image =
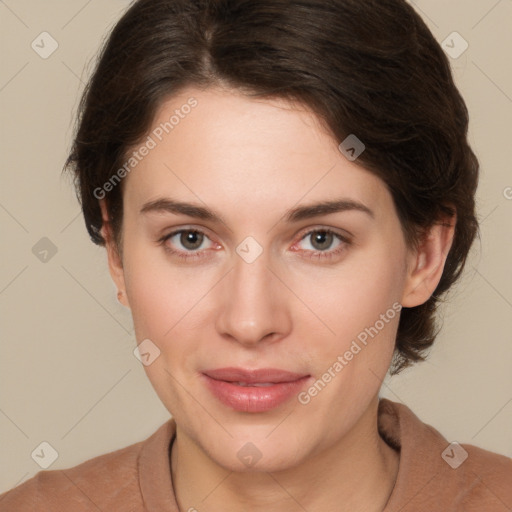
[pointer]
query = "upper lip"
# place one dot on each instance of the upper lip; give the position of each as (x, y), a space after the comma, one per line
(259, 375)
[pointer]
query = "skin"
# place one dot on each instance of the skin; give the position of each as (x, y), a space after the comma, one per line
(252, 160)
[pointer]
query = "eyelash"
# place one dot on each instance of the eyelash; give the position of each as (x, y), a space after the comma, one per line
(322, 255)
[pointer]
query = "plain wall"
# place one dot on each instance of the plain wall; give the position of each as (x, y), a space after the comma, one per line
(68, 372)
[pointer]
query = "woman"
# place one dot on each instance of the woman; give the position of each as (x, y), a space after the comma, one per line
(285, 191)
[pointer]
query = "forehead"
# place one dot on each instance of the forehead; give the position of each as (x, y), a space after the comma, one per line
(222, 147)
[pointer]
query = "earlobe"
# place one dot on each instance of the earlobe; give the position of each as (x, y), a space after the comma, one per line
(426, 263)
(115, 264)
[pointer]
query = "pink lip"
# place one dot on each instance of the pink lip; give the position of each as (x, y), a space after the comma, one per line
(222, 383)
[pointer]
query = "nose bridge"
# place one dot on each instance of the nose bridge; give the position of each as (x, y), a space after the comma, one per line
(252, 306)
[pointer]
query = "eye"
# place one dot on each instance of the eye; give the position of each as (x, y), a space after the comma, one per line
(322, 240)
(192, 243)
(191, 240)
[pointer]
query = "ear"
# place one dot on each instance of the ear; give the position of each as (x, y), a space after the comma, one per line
(115, 263)
(426, 263)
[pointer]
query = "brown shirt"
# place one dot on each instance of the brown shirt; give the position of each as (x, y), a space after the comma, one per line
(434, 475)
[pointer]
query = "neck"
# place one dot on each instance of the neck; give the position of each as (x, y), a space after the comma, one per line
(357, 473)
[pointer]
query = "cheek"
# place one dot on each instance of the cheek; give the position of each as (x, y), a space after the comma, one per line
(361, 306)
(354, 295)
(374, 308)
(154, 288)
(164, 300)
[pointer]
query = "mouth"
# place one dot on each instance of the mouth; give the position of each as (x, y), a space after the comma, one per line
(254, 384)
(256, 376)
(253, 391)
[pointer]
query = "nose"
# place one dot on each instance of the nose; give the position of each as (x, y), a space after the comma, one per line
(253, 303)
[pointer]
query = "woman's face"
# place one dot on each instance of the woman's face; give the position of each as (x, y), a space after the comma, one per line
(254, 285)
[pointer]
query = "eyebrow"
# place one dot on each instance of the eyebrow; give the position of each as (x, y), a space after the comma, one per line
(168, 205)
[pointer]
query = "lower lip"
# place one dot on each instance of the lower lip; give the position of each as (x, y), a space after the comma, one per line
(252, 398)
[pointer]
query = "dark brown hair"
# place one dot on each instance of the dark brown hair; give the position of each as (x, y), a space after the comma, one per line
(366, 67)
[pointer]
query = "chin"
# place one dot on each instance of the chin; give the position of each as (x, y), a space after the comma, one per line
(245, 456)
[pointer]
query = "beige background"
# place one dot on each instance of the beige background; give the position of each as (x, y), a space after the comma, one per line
(68, 373)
